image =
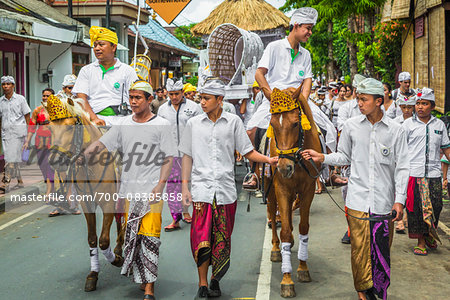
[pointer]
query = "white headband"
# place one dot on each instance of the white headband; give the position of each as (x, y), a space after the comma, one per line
(402, 100)
(212, 87)
(173, 86)
(304, 15)
(370, 86)
(8, 79)
(425, 94)
(69, 80)
(403, 76)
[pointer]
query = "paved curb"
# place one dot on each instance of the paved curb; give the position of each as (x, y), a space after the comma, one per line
(36, 189)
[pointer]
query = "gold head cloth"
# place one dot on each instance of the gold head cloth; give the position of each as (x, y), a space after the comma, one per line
(102, 34)
(281, 102)
(57, 109)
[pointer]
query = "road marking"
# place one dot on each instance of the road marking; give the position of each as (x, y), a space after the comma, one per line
(444, 228)
(22, 217)
(265, 269)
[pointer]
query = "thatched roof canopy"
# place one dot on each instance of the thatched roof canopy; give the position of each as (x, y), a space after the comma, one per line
(252, 15)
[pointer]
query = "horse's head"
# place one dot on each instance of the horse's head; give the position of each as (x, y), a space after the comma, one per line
(285, 124)
(67, 124)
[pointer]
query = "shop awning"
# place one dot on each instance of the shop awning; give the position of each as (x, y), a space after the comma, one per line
(27, 38)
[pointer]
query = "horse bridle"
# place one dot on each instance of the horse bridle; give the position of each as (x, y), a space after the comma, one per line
(294, 154)
(78, 138)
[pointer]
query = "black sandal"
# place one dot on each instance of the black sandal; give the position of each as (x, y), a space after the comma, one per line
(148, 296)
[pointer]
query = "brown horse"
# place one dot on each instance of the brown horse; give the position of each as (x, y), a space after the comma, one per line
(291, 180)
(95, 183)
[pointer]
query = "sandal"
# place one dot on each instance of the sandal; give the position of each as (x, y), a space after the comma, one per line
(318, 191)
(431, 242)
(187, 220)
(420, 251)
(56, 212)
(171, 227)
(148, 296)
(400, 228)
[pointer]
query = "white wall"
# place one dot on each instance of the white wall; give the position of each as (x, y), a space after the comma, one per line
(61, 67)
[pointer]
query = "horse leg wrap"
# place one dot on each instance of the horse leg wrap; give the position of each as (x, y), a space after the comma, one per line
(109, 255)
(303, 247)
(95, 266)
(286, 266)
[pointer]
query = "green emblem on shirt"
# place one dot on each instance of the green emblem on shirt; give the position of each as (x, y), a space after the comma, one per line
(301, 73)
(116, 85)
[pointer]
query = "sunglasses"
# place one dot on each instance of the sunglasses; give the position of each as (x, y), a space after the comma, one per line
(69, 87)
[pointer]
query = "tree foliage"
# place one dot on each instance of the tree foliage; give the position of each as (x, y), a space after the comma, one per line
(183, 33)
(378, 47)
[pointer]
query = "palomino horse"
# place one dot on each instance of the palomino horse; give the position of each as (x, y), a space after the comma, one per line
(95, 183)
(292, 129)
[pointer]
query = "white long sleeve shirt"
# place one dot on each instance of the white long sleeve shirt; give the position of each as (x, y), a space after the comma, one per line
(425, 142)
(378, 155)
(211, 146)
(348, 110)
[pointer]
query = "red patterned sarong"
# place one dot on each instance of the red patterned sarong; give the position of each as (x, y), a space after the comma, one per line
(211, 230)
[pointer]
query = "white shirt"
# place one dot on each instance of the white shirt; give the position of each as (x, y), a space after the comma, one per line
(348, 110)
(178, 118)
(144, 147)
(13, 113)
(228, 107)
(378, 155)
(392, 111)
(211, 146)
(325, 124)
(424, 143)
(334, 110)
(399, 119)
(105, 88)
(282, 71)
(249, 109)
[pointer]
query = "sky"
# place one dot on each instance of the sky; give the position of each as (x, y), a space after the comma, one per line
(198, 10)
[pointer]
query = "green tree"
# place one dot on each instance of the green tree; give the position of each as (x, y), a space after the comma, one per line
(183, 33)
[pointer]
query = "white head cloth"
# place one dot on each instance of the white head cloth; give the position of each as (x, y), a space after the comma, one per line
(403, 76)
(212, 87)
(173, 85)
(142, 86)
(357, 79)
(370, 86)
(69, 80)
(425, 94)
(333, 85)
(322, 91)
(304, 15)
(402, 100)
(8, 79)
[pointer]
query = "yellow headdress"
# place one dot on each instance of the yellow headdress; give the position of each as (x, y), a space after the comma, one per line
(56, 109)
(102, 34)
(281, 102)
(255, 84)
(189, 88)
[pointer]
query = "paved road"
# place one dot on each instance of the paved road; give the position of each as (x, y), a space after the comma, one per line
(47, 258)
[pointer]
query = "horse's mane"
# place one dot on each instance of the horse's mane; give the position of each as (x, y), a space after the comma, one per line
(77, 108)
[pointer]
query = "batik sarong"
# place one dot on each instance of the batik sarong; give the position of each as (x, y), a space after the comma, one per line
(211, 230)
(173, 188)
(141, 245)
(423, 206)
(370, 252)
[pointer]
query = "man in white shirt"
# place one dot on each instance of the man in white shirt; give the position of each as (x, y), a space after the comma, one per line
(15, 115)
(209, 143)
(284, 64)
(104, 84)
(350, 108)
(147, 159)
(426, 136)
(177, 111)
(375, 147)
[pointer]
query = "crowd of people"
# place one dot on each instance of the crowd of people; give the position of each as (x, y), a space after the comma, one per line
(382, 146)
